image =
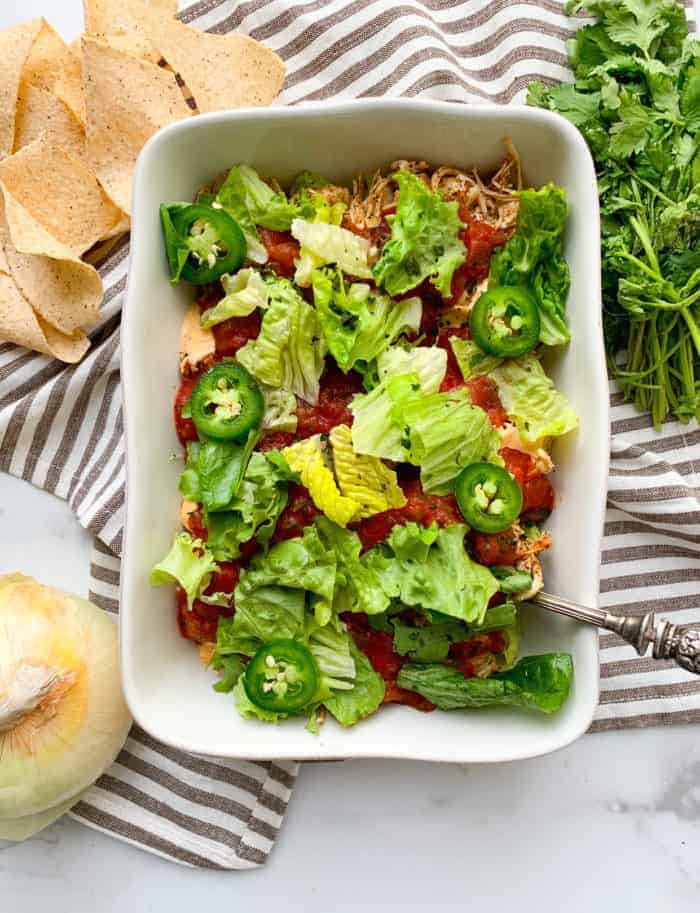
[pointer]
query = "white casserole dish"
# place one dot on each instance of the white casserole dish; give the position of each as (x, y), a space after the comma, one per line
(167, 689)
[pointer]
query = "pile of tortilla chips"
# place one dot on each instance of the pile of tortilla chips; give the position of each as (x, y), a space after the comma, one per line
(73, 119)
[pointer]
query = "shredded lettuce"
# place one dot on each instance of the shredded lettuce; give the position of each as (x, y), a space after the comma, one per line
(365, 479)
(374, 431)
(427, 643)
(536, 682)
(342, 484)
(246, 291)
(531, 401)
(534, 257)
(289, 352)
(323, 243)
(255, 509)
(189, 563)
(424, 241)
(365, 696)
(214, 471)
(358, 587)
(250, 711)
(359, 324)
(444, 433)
(264, 206)
(280, 409)
(471, 360)
(331, 650)
(439, 576)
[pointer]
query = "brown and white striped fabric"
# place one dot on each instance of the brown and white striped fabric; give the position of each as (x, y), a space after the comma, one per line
(61, 427)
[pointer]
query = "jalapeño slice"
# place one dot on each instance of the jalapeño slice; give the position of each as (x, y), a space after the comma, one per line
(282, 676)
(505, 322)
(201, 242)
(488, 496)
(227, 402)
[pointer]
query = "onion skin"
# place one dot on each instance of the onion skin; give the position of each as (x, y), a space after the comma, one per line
(63, 717)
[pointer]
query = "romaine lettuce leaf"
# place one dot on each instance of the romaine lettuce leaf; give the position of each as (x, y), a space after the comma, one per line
(280, 409)
(471, 360)
(531, 401)
(277, 587)
(427, 643)
(230, 668)
(244, 189)
(189, 563)
(220, 466)
(374, 431)
(445, 580)
(323, 243)
(331, 650)
(315, 206)
(245, 290)
(254, 511)
(365, 479)
(424, 241)
(358, 587)
(536, 682)
(311, 460)
(290, 349)
(366, 695)
(358, 323)
(534, 257)
(443, 433)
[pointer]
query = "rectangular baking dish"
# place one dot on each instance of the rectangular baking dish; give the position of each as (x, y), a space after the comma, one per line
(168, 690)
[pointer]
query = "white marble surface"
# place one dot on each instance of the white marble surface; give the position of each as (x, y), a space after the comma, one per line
(611, 823)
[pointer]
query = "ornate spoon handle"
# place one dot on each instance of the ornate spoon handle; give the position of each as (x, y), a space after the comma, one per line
(678, 642)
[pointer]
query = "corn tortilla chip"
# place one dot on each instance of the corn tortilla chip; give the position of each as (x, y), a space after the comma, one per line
(60, 192)
(69, 85)
(127, 101)
(47, 58)
(15, 45)
(20, 325)
(63, 290)
(41, 113)
(121, 24)
(221, 71)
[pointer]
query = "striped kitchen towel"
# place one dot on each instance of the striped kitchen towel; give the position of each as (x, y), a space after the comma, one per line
(61, 427)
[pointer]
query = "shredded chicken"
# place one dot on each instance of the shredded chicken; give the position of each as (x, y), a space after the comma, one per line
(206, 651)
(484, 664)
(531, 565)
(526, 546)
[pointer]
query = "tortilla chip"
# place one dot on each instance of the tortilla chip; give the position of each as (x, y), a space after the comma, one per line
(20, 325)
(122, 24)
(62, 289)
(69, 85)
(167, 7)
(60, 192)
(127, 101)
(221, 71)
(41, 113)
(47, 59)
(15, 45)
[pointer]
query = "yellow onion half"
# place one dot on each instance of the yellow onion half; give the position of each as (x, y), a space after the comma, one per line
(63, 717)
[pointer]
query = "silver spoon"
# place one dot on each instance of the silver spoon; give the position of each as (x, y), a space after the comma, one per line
(678, 642)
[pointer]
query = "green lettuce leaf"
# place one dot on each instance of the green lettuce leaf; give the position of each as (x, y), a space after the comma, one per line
(534, 257)
(230, 668)
(536, 683)
(189, 563)
(427, 643)
(471, 360)
(253, 511)
(245, 290)
(443, 433)
(244, 192)
(323, 243)
(290, 349)
(358, 588)
(446, 580)
(358, 323)
(424, 241)
(366, 695)
(277, 587)
(280, 409)
(331, 650)
(374, 431)
(220, 466)
(531, 401)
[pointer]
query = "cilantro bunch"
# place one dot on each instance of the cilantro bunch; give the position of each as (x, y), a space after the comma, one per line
(636, 100)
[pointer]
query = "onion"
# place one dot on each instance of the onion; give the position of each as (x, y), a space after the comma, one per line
(63, 717)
